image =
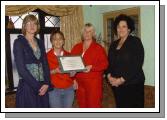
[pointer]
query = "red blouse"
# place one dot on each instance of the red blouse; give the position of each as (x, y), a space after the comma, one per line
(58, 80)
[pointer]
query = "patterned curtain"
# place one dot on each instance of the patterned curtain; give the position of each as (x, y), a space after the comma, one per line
(56, 10)
(71, 26)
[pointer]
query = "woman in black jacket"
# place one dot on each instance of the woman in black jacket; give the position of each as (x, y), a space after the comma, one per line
(126, 57)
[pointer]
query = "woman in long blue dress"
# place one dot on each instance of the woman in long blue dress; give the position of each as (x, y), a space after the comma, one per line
(32, 67)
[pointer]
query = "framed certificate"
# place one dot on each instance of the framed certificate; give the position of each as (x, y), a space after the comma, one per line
(71, 63)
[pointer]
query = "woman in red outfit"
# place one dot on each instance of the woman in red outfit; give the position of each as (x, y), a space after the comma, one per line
(63, 94)
(89, 93)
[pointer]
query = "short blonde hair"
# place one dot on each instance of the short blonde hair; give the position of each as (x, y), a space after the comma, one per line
(88, 25)
(27, 19)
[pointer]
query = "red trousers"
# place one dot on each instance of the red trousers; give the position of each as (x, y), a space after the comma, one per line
(89, 93)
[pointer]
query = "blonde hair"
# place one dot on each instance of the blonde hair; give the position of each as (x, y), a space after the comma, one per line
(27, 19)
(88, 25)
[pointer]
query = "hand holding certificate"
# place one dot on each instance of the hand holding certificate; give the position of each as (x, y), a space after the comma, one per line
(71, 63)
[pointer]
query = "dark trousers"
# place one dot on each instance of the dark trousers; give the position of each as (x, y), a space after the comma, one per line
(129, 96)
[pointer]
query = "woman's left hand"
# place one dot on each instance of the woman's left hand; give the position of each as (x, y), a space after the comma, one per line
(43, 90)
(117, 82)
(75, 85)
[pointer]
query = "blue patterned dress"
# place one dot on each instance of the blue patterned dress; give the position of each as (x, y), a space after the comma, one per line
(33, 70)
(36, 69)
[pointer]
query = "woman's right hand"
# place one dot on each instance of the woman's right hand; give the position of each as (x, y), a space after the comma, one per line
(111, 80)
(72, 73)
(54, 71)
(88, 68)
(115, 81)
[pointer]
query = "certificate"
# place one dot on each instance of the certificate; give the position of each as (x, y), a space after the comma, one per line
(71, 63)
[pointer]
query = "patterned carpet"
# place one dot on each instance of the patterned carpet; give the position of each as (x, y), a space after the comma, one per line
(108, 98)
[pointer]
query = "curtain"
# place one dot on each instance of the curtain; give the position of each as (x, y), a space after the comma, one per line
(71, 19)
(56, 10)
(71, 26)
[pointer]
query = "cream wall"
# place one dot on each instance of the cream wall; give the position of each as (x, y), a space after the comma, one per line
(94, 15)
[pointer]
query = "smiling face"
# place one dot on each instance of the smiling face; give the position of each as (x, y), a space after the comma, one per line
(57, 41)
(122, 29)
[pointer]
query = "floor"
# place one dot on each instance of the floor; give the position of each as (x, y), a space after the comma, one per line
(108, 98)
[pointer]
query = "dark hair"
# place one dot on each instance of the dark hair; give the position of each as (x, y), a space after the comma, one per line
(127, 19)
(56, 32)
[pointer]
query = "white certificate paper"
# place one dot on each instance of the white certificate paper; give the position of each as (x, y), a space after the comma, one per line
(71, 63)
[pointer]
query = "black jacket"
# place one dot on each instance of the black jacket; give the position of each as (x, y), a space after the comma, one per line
(127, 62)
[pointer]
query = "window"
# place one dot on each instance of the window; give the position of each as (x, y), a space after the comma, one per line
(17, 20)
(108, 20)
(47, 24)
(51, 21)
